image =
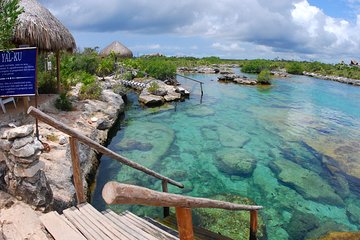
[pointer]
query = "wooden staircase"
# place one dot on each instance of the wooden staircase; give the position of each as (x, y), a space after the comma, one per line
(85, 222)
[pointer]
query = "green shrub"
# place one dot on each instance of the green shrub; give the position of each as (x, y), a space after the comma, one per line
(46, 82)
(294, 68)
(128, 76)
(90, 91)
(256, 66)
(153, 87)
(264, 77)
(160, 69)
(105, 67)
(63, 103)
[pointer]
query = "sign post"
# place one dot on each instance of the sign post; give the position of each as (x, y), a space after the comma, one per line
(18, 75)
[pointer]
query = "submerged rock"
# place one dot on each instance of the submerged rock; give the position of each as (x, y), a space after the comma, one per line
(339, 155)
(200, 111)
(235, 161)
(232, 138)
(233, 224)
(341, 236)
(300, 224)
(146, 142)
(309, 184)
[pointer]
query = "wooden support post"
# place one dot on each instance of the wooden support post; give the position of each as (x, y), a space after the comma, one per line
(79, 188)
(26, 103)
(184, 223)
(165, 189)
(253, 224)
(58, 71)
(202, 93)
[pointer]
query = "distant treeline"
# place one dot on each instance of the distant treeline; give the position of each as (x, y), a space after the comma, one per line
(84, 66)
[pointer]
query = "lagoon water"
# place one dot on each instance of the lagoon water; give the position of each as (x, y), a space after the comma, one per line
(293, 148)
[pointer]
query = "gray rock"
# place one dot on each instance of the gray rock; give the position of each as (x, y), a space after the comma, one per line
(38, 145)
(35, 190)
(2, 157)
(20, 171)
(26, 151)
(150, 100)
(63, 140)
(20, 142)
(5, 145)
(26, 161)
(18, 132)
(103, 124)
(172, 96)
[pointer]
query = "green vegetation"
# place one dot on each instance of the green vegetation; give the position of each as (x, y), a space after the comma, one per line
(153, 87)
(63, 103)
(105, 67)
(90, 91)
(294, 68)
(9, 12)
(264, 77)
(82, 67)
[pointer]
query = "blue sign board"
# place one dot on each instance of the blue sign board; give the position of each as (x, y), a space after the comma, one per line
(18, 72)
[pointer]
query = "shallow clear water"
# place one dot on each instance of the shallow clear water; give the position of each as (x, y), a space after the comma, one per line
(298, 141)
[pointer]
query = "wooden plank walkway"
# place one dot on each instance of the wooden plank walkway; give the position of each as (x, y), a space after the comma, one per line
(85, 222)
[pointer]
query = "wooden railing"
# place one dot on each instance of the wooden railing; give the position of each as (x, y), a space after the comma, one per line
(194, 80)
(75, 136)
(117, 193)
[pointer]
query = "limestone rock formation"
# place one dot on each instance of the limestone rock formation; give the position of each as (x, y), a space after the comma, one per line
(23, 175)
(165, 93)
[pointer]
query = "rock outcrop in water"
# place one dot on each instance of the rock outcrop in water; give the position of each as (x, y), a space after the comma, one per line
(165, 93)
(237, 79)
(355, 82)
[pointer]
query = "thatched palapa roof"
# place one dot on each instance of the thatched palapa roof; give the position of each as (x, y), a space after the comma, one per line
(37, 27)
(118, 49)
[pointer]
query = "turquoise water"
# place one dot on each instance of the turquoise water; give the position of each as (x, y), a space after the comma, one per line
(292, 147)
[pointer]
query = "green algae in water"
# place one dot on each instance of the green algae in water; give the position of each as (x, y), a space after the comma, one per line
(299, 124)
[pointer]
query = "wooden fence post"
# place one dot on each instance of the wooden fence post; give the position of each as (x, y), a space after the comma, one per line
(184, 222)
(253, 224)
(77, 176)
(165, 189)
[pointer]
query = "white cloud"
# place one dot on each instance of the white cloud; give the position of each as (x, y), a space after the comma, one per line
(278, 27)
(227, 47)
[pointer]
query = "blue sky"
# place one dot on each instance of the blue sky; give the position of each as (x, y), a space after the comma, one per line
(325, 30)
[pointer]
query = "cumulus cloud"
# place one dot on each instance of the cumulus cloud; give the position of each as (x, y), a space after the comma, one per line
(282, 26)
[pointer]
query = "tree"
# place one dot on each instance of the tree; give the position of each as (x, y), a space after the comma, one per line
(264, 77)
(9, 12)
(294, 68)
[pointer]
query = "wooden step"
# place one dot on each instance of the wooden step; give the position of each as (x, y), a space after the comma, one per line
(145, 226)
(59, 228)
(85, 222)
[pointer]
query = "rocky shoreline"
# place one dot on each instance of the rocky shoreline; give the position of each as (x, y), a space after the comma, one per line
(237, 79)
(350, 81)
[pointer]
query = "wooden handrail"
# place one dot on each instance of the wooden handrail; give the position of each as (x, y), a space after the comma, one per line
(118, 193)
(75, 134)
(201, 83)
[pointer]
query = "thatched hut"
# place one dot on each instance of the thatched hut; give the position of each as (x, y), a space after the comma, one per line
(118, 49)
(39, 28)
